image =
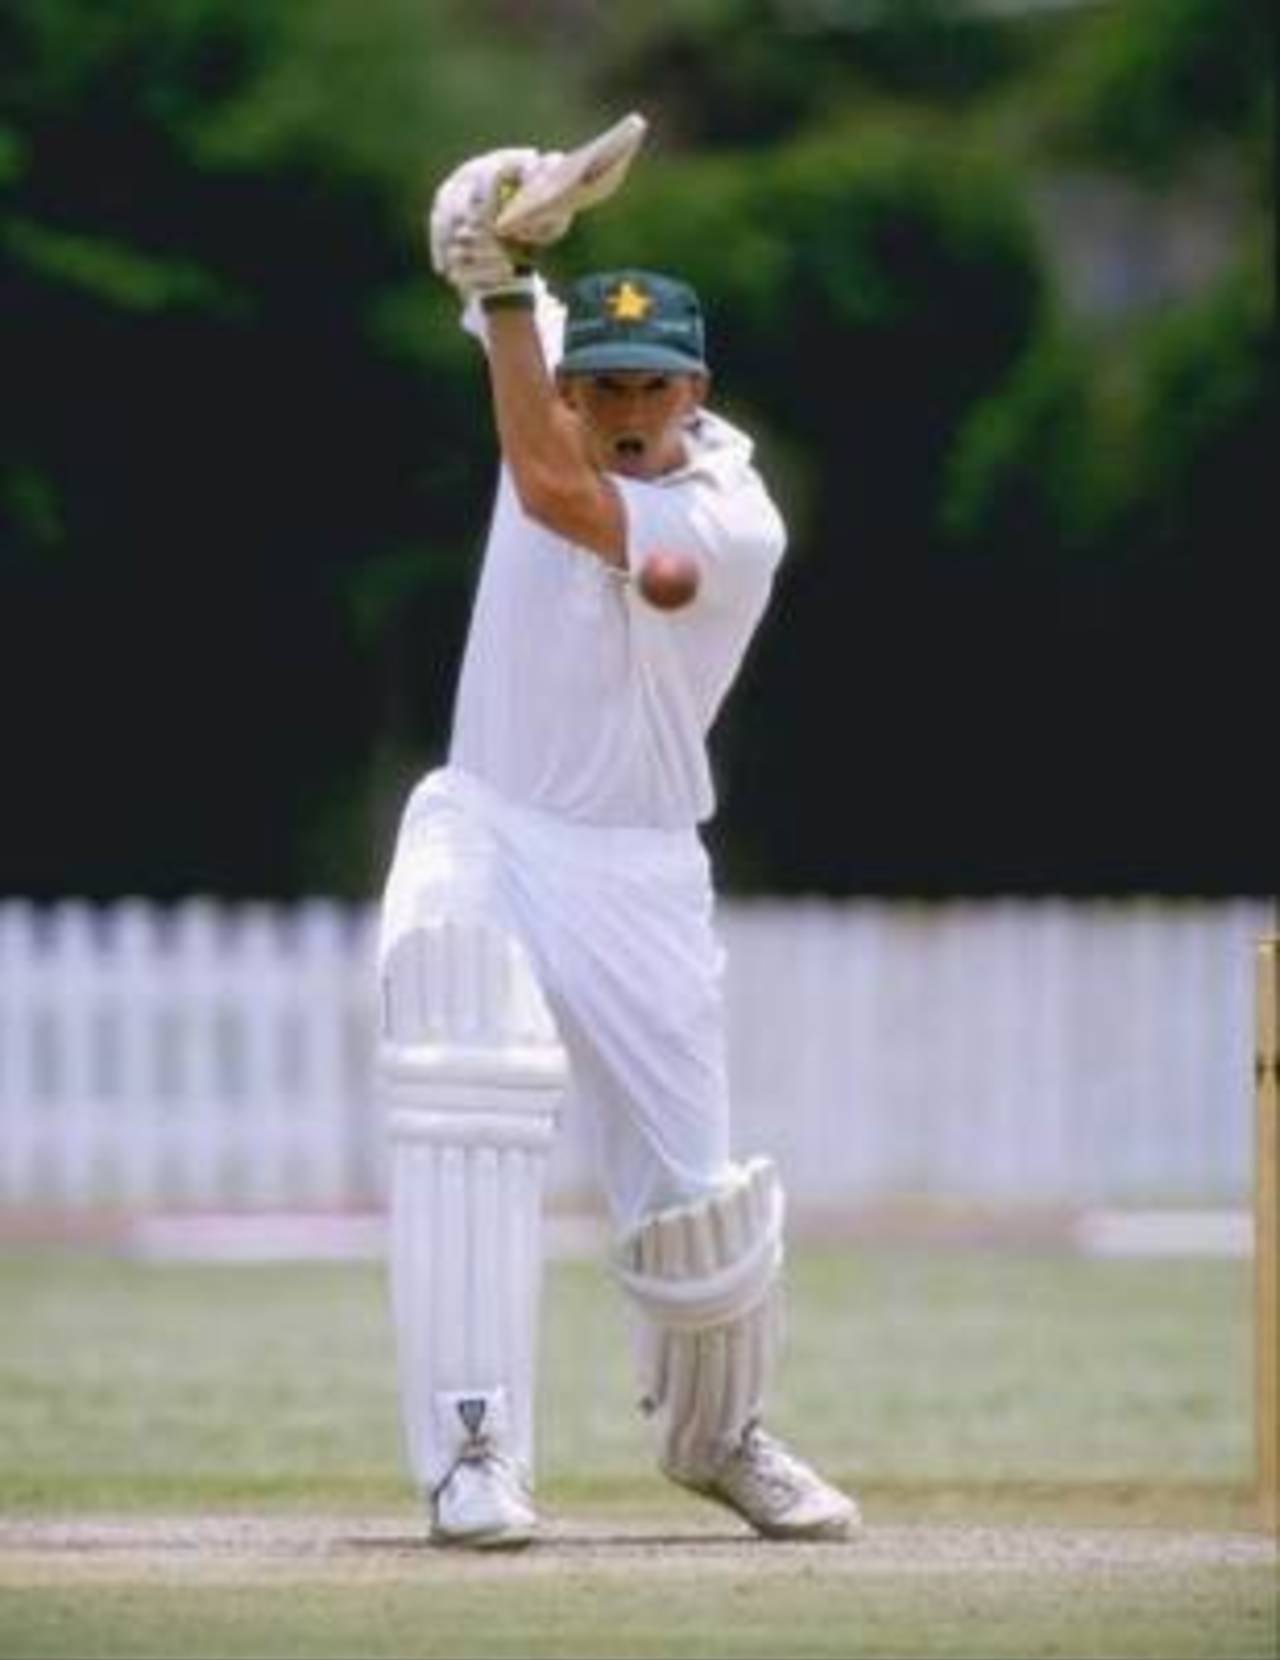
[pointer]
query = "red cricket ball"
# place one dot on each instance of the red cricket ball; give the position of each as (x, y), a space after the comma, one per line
(668, 580)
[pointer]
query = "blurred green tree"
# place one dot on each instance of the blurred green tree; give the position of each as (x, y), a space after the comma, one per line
(224, 444)
(246, 472)
(1148, 88)
(1119, 481)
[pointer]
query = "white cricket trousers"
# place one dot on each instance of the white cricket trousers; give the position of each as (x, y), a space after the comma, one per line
(618, 925)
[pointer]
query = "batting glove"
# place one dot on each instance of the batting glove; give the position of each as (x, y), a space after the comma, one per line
(481, 267)
(465, 249)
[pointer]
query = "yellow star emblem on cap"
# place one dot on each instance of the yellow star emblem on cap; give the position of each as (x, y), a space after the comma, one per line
(629, 304)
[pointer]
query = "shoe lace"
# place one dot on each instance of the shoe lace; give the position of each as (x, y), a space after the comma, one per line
(769, 1463)
(478, 1449)
(482, 1449)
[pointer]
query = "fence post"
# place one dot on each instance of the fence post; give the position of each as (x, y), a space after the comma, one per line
(73, 972)
(257, 960)
(140, 1113)
(1265, 1240)
(23, 1113)
(207, 1109)
(322, 969)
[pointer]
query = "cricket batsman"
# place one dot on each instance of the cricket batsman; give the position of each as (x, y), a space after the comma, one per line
(547, 937)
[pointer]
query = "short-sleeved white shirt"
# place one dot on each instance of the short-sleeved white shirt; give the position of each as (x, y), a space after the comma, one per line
(576, 696)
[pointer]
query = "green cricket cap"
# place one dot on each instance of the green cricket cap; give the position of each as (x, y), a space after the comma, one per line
(633, 320)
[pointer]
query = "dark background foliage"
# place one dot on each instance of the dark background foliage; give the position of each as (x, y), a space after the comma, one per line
(1025, 637)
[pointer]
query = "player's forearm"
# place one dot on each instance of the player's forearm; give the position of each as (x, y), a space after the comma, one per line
(538, 435)
(542, 442)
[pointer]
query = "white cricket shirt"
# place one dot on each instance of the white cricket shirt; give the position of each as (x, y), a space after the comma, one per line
(576, 696)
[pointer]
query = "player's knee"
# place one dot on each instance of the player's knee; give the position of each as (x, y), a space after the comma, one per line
(467, 1047)
(703, 1275)
(461, 982)
(710, 1262)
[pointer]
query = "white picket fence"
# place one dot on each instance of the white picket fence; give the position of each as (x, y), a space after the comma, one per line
(208, 1056)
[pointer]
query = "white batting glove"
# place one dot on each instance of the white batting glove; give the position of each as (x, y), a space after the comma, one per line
(473, 194)
(481, 267)
(464, 248)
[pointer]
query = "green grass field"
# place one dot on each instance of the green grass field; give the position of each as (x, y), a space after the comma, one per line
(1053, 1455)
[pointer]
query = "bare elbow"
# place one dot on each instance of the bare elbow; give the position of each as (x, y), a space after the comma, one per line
(542, 494)
(580, 507)
(560, 501)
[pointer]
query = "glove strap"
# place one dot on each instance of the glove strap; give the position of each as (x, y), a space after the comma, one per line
(508, 299)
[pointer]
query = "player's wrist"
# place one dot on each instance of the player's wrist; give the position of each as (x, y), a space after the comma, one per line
(517, 297)
(482, 267)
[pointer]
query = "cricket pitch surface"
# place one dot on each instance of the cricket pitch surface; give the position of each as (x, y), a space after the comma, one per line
(245, 1546)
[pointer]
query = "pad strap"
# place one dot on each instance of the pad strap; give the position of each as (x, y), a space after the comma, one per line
(703, 1279)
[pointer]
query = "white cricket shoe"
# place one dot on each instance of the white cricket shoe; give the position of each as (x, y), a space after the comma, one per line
(776, 1492)
(483, 1503)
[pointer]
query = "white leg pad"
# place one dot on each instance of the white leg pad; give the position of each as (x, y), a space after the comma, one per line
(470, 1074)
(703, 1278)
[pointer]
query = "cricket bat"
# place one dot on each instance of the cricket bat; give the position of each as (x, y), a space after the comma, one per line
(580, 178)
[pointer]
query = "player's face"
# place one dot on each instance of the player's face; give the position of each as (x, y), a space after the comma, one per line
(634, 419)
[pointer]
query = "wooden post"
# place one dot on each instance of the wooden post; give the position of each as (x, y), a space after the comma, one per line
(1265, 1242)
